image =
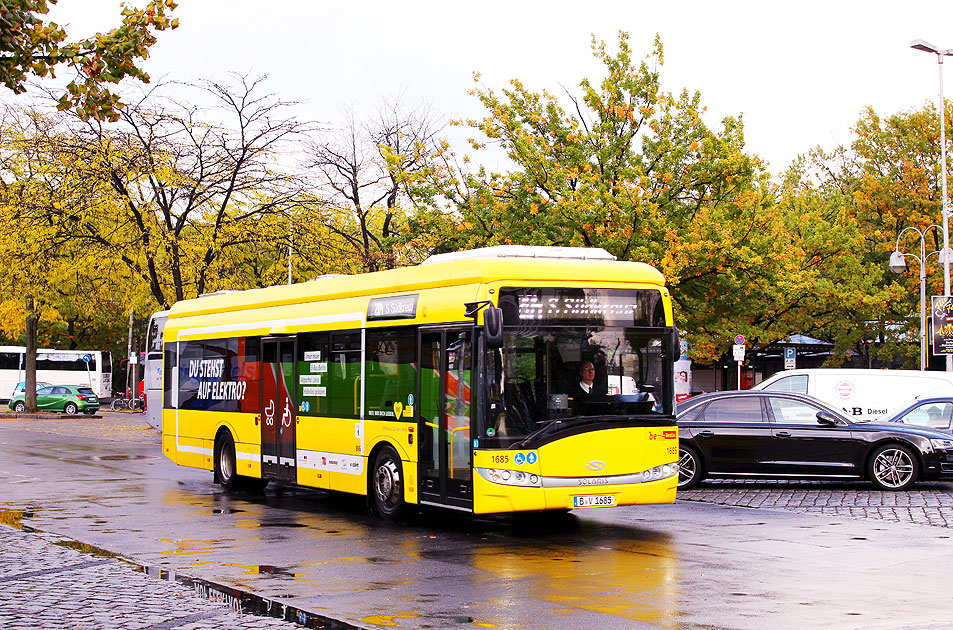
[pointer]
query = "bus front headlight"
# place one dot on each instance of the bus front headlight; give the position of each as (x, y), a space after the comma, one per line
(510, 477)
(660, 472)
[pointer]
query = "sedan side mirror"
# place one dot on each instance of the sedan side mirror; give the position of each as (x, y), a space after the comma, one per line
(826, 419)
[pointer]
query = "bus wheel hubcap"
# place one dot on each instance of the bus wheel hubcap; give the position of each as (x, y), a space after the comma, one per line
(226, 465)
(388, 481)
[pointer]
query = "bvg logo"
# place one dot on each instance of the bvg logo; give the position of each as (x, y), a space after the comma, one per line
(595, 465)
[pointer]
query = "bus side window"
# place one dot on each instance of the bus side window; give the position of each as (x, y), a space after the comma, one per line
(391, 373)
(344, 372)
(313, 363)
(247, 368)
(168, 373)
(9, 360)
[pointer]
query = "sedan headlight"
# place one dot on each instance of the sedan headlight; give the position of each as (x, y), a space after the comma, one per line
(942, 445)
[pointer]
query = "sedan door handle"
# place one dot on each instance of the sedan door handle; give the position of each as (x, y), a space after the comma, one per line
(783, 434)
(706, 434)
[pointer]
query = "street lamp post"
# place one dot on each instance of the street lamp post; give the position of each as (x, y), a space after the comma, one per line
(898, 265)
(919, 44)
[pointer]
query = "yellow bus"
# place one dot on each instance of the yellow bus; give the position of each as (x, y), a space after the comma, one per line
(504, 379)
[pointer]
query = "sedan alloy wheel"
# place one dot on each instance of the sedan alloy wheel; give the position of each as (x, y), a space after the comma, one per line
(689, 468)
(893, 467)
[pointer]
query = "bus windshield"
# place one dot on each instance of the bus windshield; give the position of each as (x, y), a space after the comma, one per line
(572, 359)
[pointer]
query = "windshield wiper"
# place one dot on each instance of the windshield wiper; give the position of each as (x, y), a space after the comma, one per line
(561, 423)
(549, 427)
(555, 424)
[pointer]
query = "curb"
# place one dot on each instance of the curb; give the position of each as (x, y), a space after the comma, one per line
(238, 600)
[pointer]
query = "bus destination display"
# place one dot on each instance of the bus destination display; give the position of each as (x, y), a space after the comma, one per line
(619, 307)
(397, 307)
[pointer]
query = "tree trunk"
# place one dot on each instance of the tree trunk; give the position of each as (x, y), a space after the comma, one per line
(29, 397)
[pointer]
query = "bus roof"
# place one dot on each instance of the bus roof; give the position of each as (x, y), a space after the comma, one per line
(518, 270)
(46, 350)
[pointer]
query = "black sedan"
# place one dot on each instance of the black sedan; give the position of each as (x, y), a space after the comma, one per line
(749, 434)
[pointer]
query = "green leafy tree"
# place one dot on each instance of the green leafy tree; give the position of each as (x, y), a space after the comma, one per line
(30, 46)
(625, 166)
(887, 180)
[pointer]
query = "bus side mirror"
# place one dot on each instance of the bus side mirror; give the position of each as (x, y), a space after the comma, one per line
(493, 327)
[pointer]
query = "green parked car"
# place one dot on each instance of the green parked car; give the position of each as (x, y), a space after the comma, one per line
(66, 398)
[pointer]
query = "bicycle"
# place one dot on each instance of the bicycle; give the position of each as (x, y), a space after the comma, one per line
(121, 401)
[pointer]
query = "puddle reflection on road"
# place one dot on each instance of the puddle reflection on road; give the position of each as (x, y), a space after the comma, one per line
(635, 580)
(14, 518)
(567, 565)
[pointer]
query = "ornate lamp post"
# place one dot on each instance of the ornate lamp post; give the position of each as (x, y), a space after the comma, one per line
(898, 265)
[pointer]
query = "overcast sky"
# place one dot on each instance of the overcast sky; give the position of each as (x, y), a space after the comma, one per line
(800, 73)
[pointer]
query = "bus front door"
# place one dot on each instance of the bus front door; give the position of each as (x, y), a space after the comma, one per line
(445, 455)
(278, 410)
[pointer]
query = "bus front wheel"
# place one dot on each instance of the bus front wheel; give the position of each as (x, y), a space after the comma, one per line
(387, 485)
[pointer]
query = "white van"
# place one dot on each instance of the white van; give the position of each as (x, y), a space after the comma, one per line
(864, 395)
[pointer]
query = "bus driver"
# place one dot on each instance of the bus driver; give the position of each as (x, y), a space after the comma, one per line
(586, 387)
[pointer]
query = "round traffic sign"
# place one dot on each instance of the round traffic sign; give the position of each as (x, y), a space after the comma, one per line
(740, 340)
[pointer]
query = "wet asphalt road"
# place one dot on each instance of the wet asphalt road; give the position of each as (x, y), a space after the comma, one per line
(701, 563)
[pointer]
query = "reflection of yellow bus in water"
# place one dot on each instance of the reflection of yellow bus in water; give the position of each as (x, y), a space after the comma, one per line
(626, 579)
(459, 383)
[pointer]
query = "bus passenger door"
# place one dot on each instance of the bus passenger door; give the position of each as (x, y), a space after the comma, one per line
(445, 456)
(278, 410)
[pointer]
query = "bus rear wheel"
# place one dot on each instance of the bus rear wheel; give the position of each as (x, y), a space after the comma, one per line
(387, 485)
(226, 473)
(225, 467)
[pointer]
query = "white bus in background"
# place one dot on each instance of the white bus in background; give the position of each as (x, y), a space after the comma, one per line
(152, 390)
(91, 368)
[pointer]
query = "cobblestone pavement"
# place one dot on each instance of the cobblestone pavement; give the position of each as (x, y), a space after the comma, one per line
(121, 426)
(49, 581)
(46, 583)
(925, 504)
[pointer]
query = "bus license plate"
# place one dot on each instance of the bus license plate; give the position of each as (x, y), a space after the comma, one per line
(599, 500)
